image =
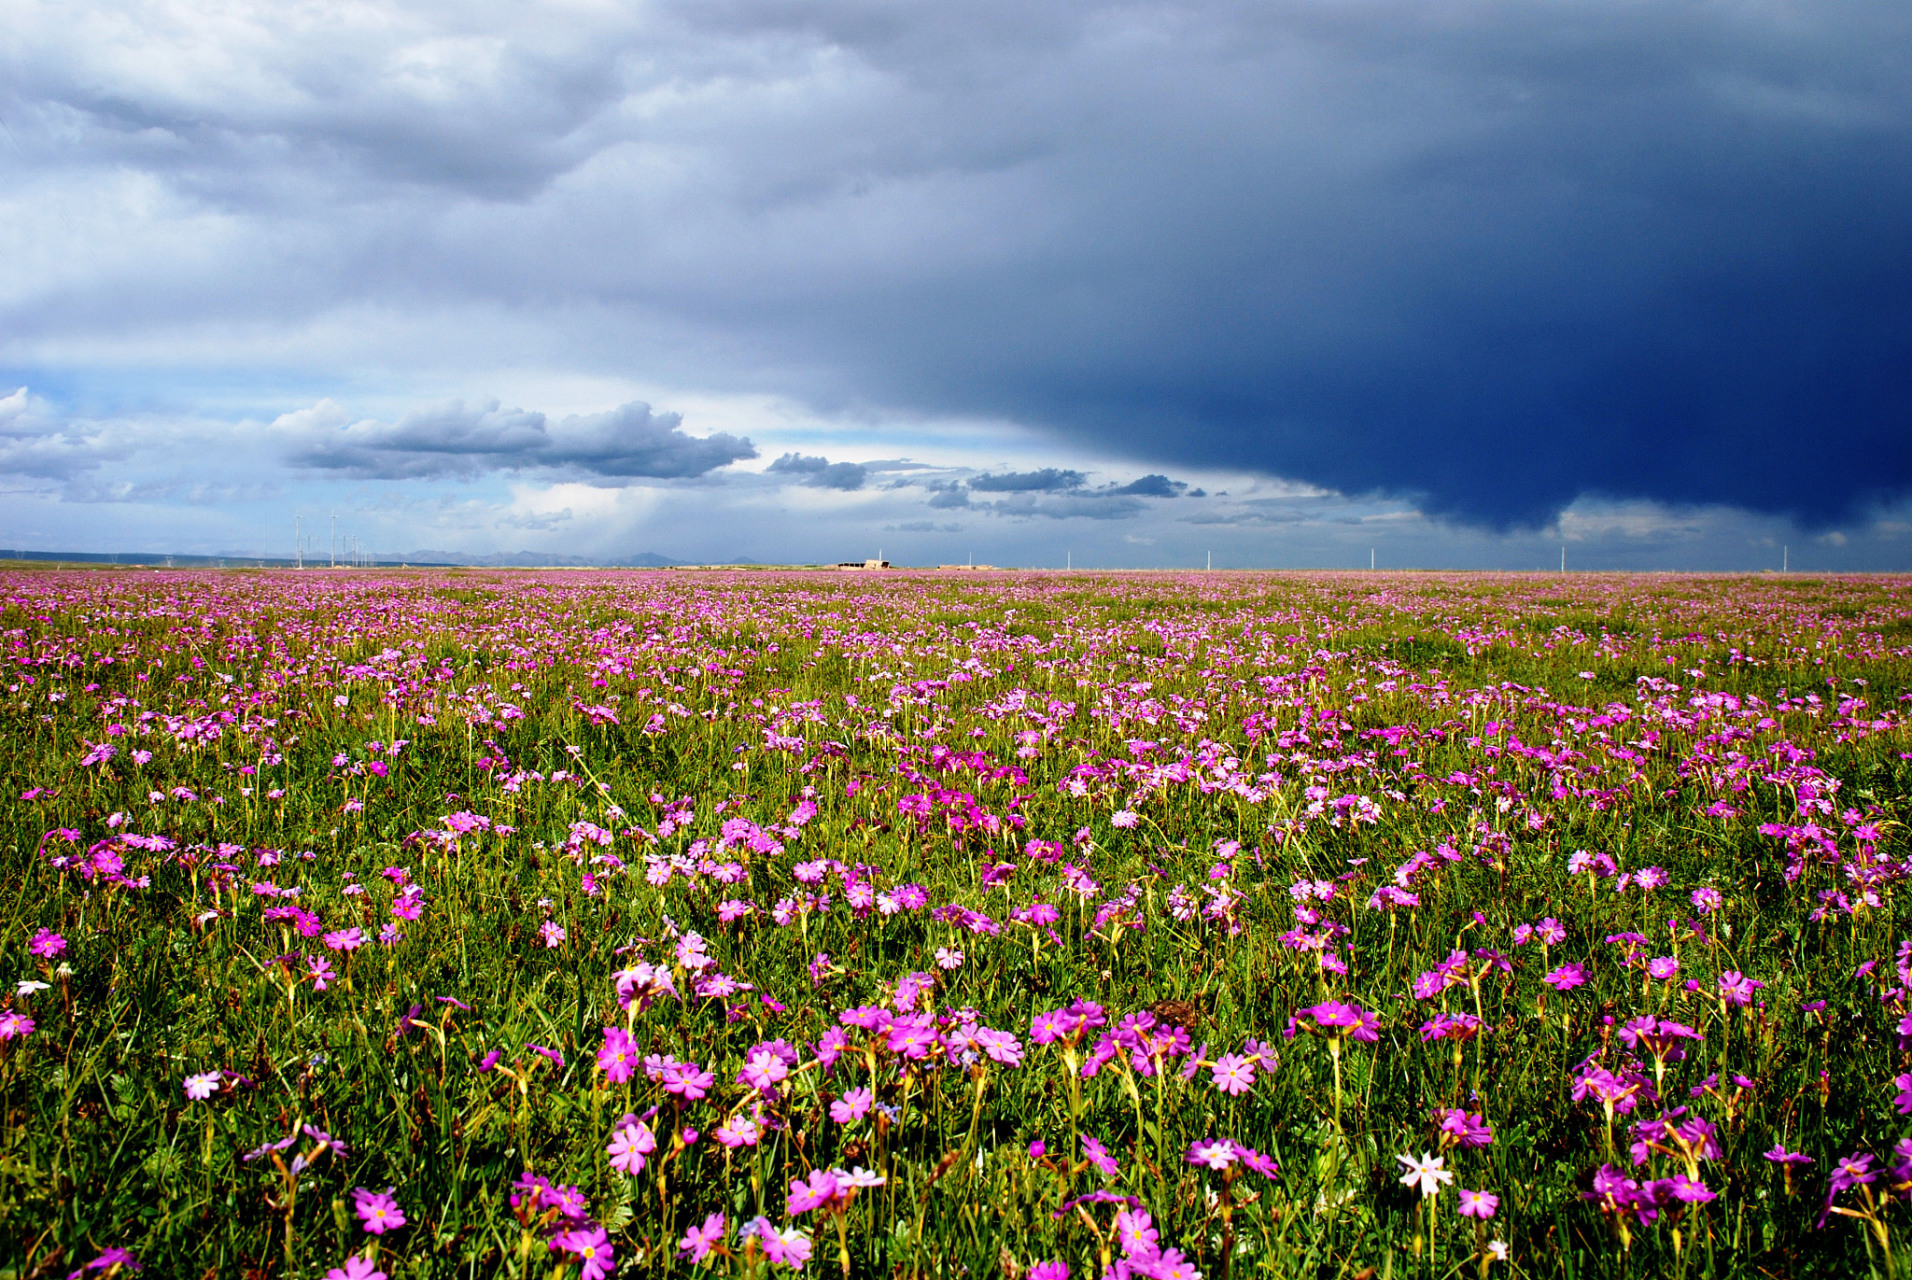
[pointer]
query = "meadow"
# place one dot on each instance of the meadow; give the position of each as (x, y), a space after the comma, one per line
(445, 923)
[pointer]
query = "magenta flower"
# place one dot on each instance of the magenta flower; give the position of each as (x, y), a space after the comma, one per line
(1690, 1190)
(46, 944)
(1233, 1074)
(764, 1070)
(1850, 1171)
(1736, 988)
(320, 970)
(1051, 1027)
(789, 1248)
(1779, 1155)
(1051, 1270)
(617, 1057)
(687, 1080)
(1098, 1155)
(853, 1105)
(14, 1024)
(1338, 1021)
(345, 939)
(1903, 1101)
(817, 1191)
(114, 1257)
(1253, 1159)
(738, 1131)
(698, 1242)
(1567, 977)
(1478, 1204)
(1213, 1154)
(1000, 1047)
(377, 1211)
(1136, 1233)
(630, 1142)
(202, 1086)
(356, 1268)
(1464, 1129)
(591, 1247)
(1660, 1037)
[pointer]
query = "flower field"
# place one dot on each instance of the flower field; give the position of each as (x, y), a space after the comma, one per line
(1340, 926)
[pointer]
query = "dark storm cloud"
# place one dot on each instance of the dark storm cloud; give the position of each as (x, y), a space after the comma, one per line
(460, 440)
(1047, 480)
(821, 473)
(1488, 256)
(1154, 486)
(1494, 256)
(1067, 506)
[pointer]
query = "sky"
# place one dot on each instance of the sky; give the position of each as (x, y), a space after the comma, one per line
(1256, 283)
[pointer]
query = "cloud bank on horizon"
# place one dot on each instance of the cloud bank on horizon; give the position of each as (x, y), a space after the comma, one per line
(1464, 269)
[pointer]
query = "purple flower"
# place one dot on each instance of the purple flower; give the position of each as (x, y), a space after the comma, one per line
(1850, 1171)
(699, 1241)
(617, 1057)
(1213, 1154)
(377, 1210)
(789, 1247)
(1478, 1204)
(591, 1247)
(1567, 977)
(630, 1143)
(1098, 1155)
(1464, 1129)
(1736, 988)
(1336, 1020)
(114, 1257)
(1253, 1159)
(1691, 1191)
(687, 1080)
(356, 1268)
(46, 944)
(1047, 1271)
(853, 1105)
(820, 1189)
(1233, 1074)
(1135, 1232)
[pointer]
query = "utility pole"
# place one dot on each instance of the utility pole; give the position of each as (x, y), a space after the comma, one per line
(1069, 563)
(298, 540)
(335, 540)
(1370, 559)
(1563, 557)
(1785, 559)
(1211, 562)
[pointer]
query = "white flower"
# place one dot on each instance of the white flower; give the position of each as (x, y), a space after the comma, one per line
(859, 1177)
(201, 1087)
(27, 987)
(1499, 1249)
(1425, 1175)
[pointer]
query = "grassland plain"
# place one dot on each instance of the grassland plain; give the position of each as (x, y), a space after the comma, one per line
(487, 923)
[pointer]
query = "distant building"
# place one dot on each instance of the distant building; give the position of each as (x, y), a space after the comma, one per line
(859, 566)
